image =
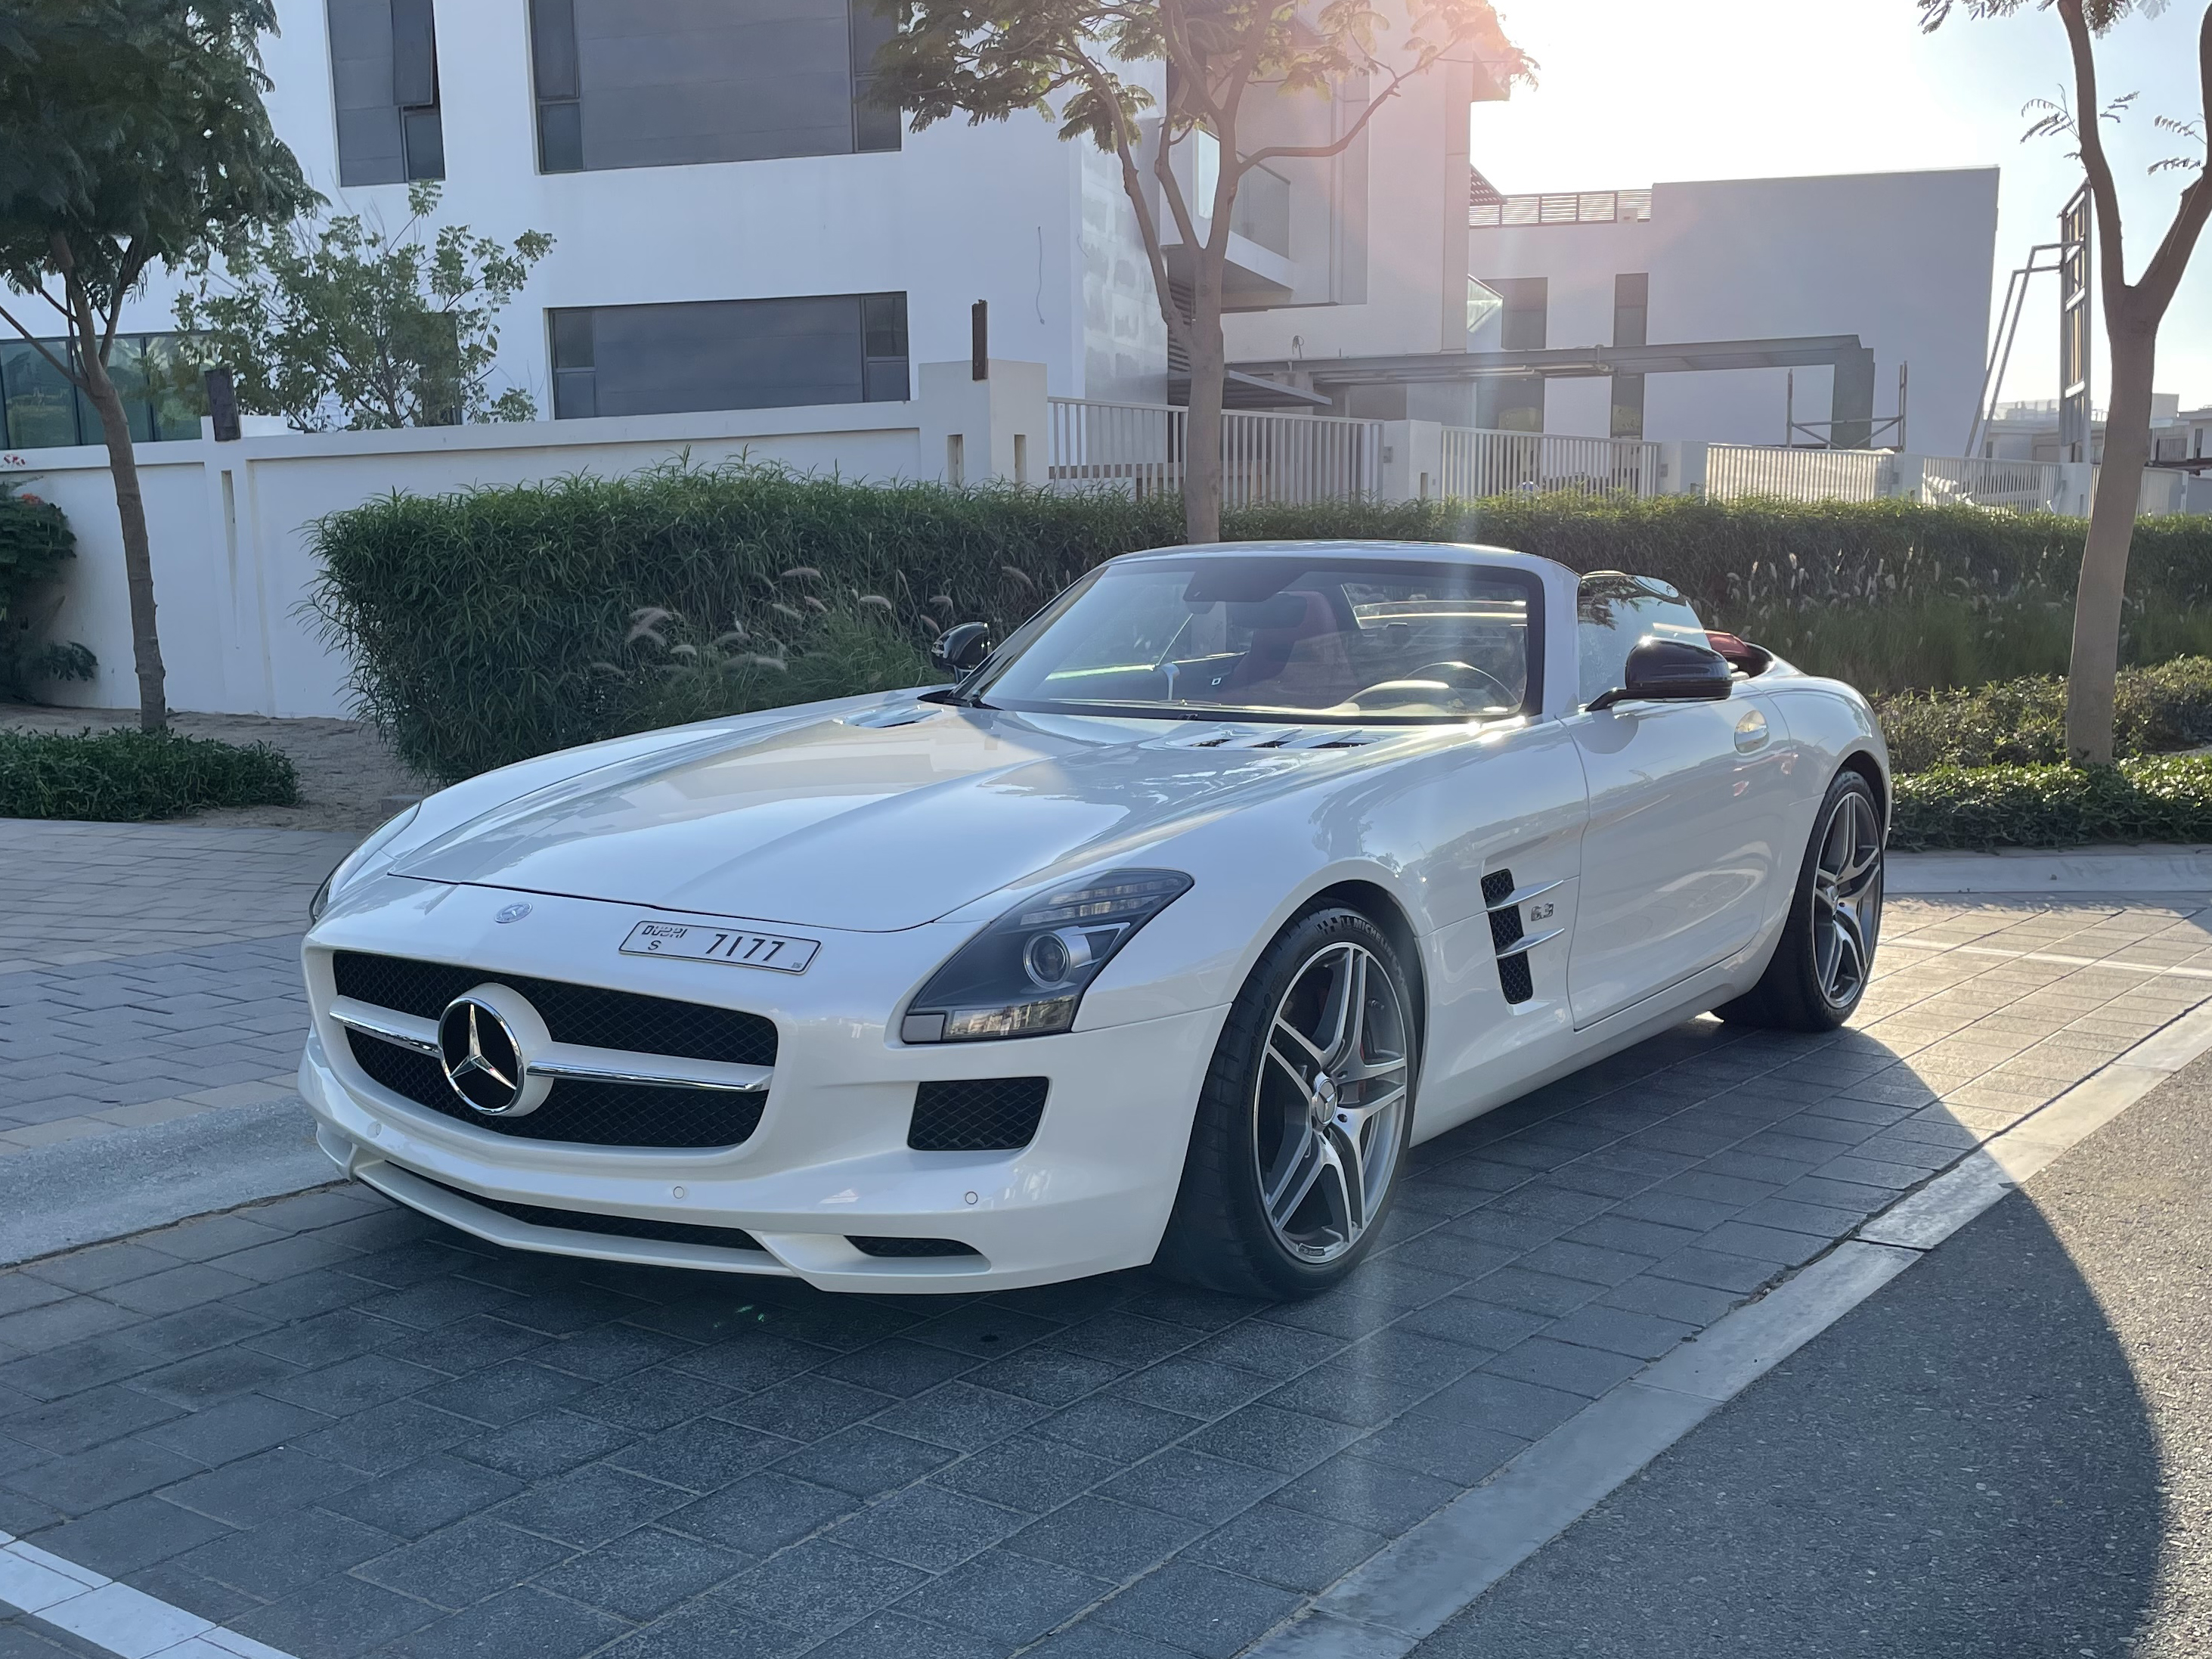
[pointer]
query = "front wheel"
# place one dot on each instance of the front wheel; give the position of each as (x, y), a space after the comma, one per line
(1302, 1122)
(1825, 956)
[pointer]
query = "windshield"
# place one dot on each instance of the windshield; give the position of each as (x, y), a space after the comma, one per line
(1274, 638)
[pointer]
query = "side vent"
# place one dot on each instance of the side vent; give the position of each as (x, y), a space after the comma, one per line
(1509, 935)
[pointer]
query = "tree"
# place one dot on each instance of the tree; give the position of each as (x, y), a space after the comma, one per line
(1087, 62)
(131, 133)
(338, 322)
(2133, 311)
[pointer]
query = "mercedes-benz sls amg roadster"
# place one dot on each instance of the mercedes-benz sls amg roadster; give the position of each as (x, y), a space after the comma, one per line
(1157, 936)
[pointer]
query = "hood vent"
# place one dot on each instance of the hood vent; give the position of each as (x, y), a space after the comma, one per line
(1295, 736)
(879, 720)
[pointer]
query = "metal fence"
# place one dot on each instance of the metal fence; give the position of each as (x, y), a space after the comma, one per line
(1140, 448)
(1803, 475)
(1479, 463)
(2018, 486)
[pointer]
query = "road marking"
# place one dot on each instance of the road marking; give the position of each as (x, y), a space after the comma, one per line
(2046, 956)
(122, 1620)
(1386, 1607)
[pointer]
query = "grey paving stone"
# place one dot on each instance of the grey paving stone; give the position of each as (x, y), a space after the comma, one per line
(984, 1330)
(805, 1408)
(1104, 1538)
(761, 1512)
(929, 1528)
(84, 1481)
(1691, 1304)
(289, 1554)
(469, 1344)
(467, 1564)
(1379, 1498)
(865, 1462)
(1286, 1547)
(896, 1636)
(537, 1448)
(1533, 1292)
(1268, 1436)
(101, 1266)
(334, 1618)
(1027, 1472)
(1275, 1350)
(748, 1362)
(443, 1304)
(1048, 1374)
(1014, 1598)
(1717, 1271)
(819, 1586)
(34, 1330)
(1644, 1336)
(1554, 1365)
(648, 1401)
(354, 1385)
(524, 1621)
(642, 1573)
(1681, 1210)
(424, 1496)
(1503, 1405)
(1126, 1339)
(283, 1255)
(614, 1351)
(1199, 1609)
(246, 1493)
(1186, 1482)
(206, 1378)
(1473, 1322)
(711, 1628)
(1344, 1313)
(501, 1394)
(384, 1438)
(704, 1455)
(588, 1506)
(74, 1367)
(1196, 1388)
(1740, 1238)
(125, 1537)
(1453, 1450)
(83, 1421)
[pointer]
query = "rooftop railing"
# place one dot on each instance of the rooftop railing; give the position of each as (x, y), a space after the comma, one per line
(1574, 207)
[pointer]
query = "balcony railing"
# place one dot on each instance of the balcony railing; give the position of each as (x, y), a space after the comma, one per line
(1574, 207)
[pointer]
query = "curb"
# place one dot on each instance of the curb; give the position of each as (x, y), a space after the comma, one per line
(2021, 873)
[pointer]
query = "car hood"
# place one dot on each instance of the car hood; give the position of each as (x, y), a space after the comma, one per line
(873, 819)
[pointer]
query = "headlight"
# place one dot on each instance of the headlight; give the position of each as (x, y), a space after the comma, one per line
(1026, 973)
(359, 859)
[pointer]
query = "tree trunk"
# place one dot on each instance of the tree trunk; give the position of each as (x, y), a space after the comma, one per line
(2096, 659)
(137, 553)
(1201, 468)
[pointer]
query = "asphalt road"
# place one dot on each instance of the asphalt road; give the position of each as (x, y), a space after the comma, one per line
(2007, 1452)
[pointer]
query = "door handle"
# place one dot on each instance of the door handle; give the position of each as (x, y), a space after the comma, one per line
(1751, 733)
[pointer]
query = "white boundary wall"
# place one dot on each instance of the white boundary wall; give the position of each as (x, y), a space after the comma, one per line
(230, 522)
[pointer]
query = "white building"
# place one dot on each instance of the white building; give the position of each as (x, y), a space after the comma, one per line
(1773, 277)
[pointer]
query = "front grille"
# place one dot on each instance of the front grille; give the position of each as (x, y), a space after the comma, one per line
(582, 1014)
(984, 1114)
(583, 1113)
(909, 1247)
(620, 1226)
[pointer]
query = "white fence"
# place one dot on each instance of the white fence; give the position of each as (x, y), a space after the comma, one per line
(2021, 486)
(1801, 475)
(1141, 448)
(1479, 463)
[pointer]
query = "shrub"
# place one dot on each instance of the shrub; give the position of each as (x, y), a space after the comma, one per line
(2022, 722)
(124, 776)
(35, 539)
(474, 620)
(2158, 799)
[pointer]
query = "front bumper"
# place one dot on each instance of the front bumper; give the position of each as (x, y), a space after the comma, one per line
(828, 1163)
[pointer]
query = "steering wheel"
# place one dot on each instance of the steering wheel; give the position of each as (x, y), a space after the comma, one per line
(1455, 673)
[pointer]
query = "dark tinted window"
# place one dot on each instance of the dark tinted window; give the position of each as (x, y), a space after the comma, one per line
(1613, 611)
(641, 83)
(729, 353)
(39, 409)
(383, 87)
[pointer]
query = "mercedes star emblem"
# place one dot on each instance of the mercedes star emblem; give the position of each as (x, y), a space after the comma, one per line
(483, 1061)
(511, 913)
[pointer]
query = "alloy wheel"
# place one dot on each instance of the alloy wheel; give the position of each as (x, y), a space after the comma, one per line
(1847, 899)
(1329, 1102)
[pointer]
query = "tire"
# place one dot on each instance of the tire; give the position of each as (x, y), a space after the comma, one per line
(1825, 956)
(1302, 1123)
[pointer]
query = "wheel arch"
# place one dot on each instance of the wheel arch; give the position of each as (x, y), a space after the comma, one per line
(1380, 906)
(1862, 762)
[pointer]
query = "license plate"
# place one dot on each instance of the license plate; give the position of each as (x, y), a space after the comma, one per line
(694, 943)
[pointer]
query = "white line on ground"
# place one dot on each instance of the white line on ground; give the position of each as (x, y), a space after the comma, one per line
(1909, 944)
(124, 1621)
(1383, 1608)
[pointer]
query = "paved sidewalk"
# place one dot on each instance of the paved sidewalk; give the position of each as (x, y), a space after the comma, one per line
(2006, 1450)
(343, 1429)
(147, 972)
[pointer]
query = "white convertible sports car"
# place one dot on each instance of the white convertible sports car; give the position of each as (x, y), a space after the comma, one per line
(1156, 938)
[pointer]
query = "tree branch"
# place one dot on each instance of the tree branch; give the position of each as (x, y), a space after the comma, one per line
(2110, 255)
(1337, 147)
(1147, 225)
(2162, 276)
(39, 345)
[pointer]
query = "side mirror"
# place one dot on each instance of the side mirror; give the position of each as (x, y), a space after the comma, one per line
(1670, 671)
(962, 646)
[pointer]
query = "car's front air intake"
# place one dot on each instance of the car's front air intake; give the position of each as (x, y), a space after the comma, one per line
(979, 1114)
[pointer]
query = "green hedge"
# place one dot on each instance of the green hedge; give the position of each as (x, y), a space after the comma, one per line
(124, 776)
(489, 626)
(2023, 722)
(1957, 808)
(35, 539)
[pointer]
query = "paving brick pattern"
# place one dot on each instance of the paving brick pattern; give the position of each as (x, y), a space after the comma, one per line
(147, 972)
(343, 1429)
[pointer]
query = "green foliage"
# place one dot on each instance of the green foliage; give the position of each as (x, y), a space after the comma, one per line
(339, 322)
(1956, 808)
(126, 777)
(476, 620)
(134, 130)
(2022, 722)
(35, 539)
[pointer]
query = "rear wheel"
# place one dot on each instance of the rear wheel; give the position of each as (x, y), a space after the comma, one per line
(1825, 954)
(1303, 1121)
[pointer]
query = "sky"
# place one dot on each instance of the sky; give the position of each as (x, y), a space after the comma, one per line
(1630, 92)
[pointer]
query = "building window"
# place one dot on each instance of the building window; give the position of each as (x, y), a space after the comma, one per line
(384, 80)
(729, 353)
(1510, 403)
(648, 83)
(1632, 311)
(39, 409)
(1521, 324)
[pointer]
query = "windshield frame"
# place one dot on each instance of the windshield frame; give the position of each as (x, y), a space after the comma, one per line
(974, 688)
